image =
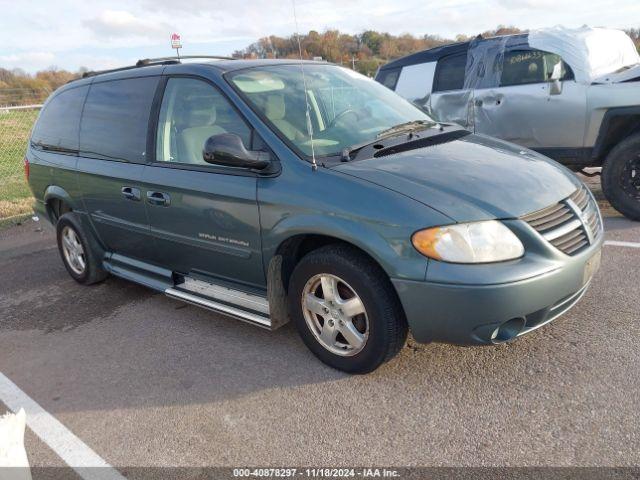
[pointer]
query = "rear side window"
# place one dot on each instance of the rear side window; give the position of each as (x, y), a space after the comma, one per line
(450, 73)
(389, 78)
(116, 119)
(58, 125)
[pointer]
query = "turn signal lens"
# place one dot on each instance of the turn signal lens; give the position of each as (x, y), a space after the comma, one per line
(27, 168)
(478, 242)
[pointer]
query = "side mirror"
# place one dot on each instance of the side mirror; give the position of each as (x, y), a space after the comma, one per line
(555, 87)
(555, 83)
(227, 149)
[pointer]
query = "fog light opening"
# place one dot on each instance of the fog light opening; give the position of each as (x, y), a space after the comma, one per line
(508, 330)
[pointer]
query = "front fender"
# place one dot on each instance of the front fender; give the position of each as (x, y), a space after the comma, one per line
(389, 245)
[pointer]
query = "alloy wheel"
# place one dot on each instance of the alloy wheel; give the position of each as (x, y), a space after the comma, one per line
(73, 251)
(630, 177)
(335, 314)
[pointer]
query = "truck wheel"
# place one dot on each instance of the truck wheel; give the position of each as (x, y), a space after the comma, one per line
(346, 310)
(78, 254)
(621, 177)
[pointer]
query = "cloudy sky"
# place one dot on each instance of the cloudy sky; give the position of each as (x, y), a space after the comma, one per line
(108, 33)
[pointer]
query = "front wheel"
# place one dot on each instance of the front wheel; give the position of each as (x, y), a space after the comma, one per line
(621, 177)
(346, 310)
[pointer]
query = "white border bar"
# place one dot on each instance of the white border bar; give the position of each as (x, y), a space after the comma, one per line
(615, 243)
(73, 451)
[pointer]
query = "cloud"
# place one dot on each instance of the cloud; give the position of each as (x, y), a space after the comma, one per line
(117, 31)
(532, 4)
(112, 24)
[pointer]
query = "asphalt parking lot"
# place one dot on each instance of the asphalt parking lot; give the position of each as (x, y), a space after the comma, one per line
(144, 380)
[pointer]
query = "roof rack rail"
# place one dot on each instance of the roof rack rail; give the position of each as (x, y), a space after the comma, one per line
(145, 62)
(130, 67)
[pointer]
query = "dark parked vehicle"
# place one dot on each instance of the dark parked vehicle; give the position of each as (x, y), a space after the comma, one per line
(277, 190)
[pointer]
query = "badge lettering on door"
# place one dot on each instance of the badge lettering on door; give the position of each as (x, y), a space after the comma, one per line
(216, 238)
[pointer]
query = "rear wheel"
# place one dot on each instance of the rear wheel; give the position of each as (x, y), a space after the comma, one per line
(346, 309)
(621, 177)
(78, 254)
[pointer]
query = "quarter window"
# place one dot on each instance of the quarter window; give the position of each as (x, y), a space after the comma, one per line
(389, 78)
(521, 67)
(450, 73)
(59, 122)
(116, 119)
(191, 112)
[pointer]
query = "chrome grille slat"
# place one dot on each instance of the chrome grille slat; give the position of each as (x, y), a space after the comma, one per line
(580, 198)
(551, 221)
(568, 239)
(567, 245)
(532, 217)
(563, 230)
(577, 247)
(570, 225)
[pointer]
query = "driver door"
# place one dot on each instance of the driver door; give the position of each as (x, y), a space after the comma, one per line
(524, 109)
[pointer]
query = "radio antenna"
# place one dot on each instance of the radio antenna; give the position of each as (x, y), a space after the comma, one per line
(314, 165)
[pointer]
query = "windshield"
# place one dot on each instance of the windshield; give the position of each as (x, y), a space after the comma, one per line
(345, 108)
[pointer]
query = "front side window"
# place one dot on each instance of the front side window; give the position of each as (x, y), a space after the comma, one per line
(191, 112)
(450, 73)
(116, 119)
(58, 125)
(345, 108)
(522, 67)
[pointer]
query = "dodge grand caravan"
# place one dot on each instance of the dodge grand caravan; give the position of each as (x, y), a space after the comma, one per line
(273, 190)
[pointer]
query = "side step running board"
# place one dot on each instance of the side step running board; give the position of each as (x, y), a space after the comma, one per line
(208, 303)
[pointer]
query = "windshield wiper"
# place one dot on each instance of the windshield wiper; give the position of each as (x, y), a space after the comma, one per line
(405, 127)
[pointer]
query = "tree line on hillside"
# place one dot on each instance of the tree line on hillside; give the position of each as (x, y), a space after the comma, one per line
(365, 52)
(17, 87)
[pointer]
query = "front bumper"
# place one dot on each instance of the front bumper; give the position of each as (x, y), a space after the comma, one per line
(469, 314)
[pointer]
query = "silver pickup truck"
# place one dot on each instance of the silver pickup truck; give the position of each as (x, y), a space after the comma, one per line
(570, 94)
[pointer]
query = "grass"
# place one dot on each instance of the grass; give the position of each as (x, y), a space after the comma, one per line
(15, 196)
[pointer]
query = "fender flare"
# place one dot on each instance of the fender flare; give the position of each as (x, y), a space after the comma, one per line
(602, 146)
(54, 192)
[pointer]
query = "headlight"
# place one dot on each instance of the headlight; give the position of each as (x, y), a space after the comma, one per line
(478, 242)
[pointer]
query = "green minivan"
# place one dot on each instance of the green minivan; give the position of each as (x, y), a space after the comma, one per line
(278, 190)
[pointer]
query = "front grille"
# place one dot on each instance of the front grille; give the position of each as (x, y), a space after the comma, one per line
(570, 225)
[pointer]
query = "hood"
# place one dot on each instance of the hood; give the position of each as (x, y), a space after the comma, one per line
(628, 75)
(471, 179)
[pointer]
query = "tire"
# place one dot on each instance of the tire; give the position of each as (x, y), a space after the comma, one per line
(80, 255)
(382, 327)
(621, 177)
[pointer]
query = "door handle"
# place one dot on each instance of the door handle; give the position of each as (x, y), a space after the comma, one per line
(158, 198)
(131, 193)
(478, 102)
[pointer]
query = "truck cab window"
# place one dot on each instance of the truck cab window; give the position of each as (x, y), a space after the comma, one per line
(522, 67)
(450, 73)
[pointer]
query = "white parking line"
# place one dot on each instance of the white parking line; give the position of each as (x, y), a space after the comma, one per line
(615, 243)
(73, 451)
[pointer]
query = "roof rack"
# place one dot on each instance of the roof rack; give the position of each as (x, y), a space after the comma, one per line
(145, 62)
